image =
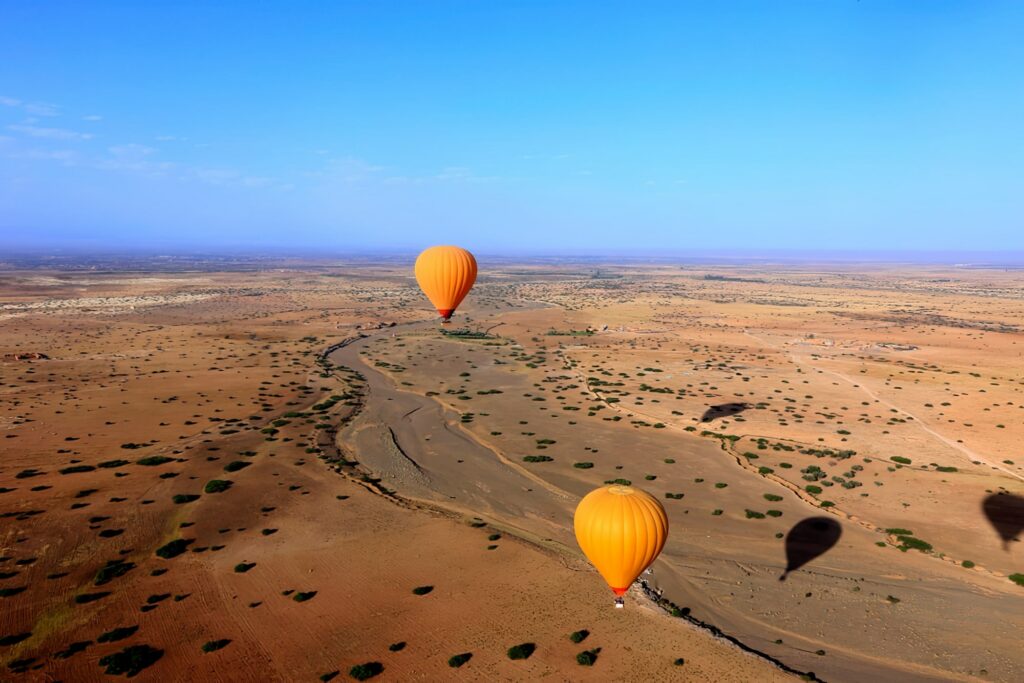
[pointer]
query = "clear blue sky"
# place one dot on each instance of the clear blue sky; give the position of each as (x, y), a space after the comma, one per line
(544, 126)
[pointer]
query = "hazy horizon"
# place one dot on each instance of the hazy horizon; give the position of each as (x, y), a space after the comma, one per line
(79, 255)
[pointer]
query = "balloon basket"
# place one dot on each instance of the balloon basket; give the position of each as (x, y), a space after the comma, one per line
(619, 603)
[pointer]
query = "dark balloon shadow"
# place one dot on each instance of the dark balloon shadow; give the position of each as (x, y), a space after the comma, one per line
(1005, 512)
(808, 539)
(723, 410)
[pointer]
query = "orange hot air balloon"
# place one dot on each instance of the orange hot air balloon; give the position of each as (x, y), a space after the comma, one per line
(621, 530)
(445, 274)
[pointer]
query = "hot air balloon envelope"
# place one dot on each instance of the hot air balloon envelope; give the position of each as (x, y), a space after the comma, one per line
(621, 530)
(445, 274)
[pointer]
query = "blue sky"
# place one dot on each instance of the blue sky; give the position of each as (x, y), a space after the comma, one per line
(513, 126)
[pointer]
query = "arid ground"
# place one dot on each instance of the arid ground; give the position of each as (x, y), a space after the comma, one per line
(279, 471)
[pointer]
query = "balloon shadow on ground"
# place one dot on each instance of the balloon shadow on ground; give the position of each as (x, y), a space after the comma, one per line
(809, 539)
(723, 410)
(1005, 512)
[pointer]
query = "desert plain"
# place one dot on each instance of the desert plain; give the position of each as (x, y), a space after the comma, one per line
(287, 470)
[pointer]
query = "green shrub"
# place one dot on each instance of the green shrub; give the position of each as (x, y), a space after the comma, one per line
(236, 465)
(967, 564)
(217, 486)
(303, 597)
(364, 672)
(131, 660)
(751, 514)
(455, 661)
(152, 460)
(899, 532)
(117, 634)
(812, 489)
(583, 465)
(422, 590)
(174, 548)
(537, 458)
(901, 460)
(75, 469)
(772, 497)
(587, 657)
(182, 498)
(579, 636)
(243, 567)
(911, 543)
(1017, 579)
(521, 651)
(214, 645)
(109, 464)
(112, 570)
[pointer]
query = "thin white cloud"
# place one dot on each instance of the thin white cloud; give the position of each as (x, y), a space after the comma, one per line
(33, 108)
(92, 117)
(41, 109)
(68, 157)
(50, 133)
(132, 157)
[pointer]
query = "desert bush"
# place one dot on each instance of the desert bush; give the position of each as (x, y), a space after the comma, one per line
(112, 570)
(579, 636)
(117, 634)
(911, 543)
(521, 651)
(108, 464)
(901, 460)
(217, 485)
(243, 567)
(75, 469)
(583, 465)
(152, 460)
(182, 498)
(214, 645)
(537, 458)
(174, 548)
(1017, 579)
(422, 590)
(587, 657)
(772, 497)
(364, 672)
(131, 660)
(236, 465)
(455, 661)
